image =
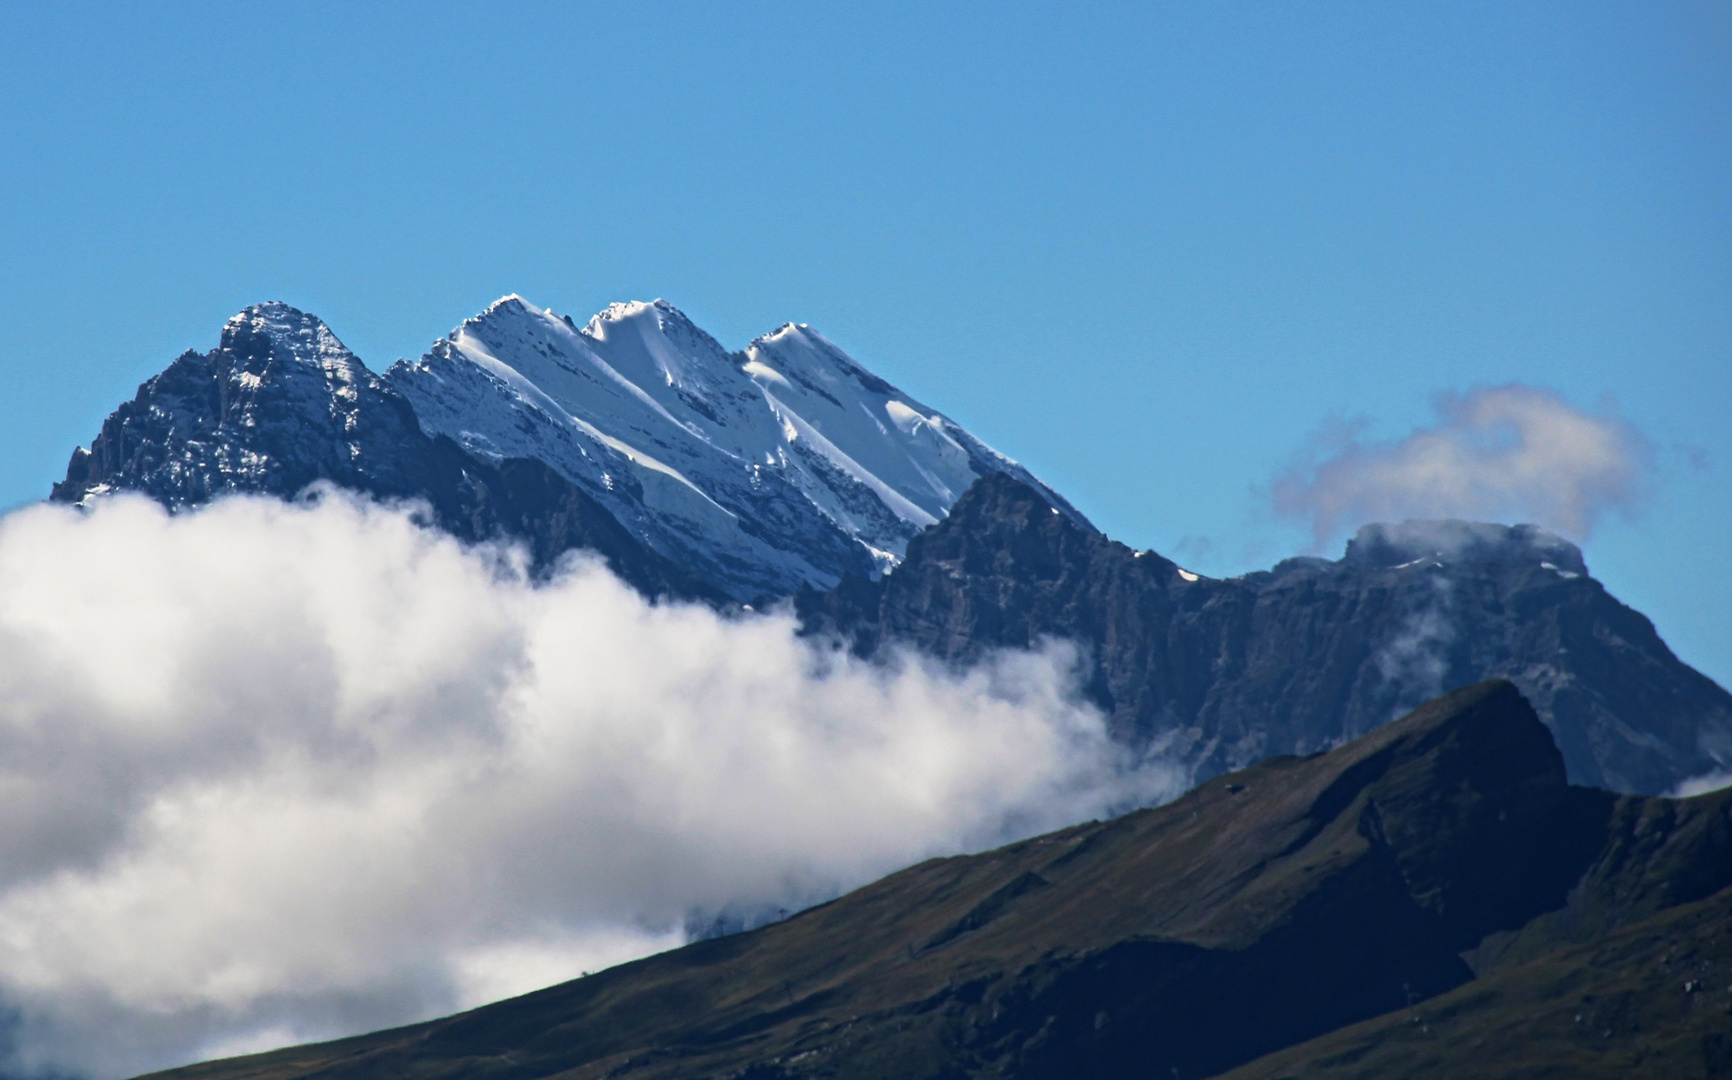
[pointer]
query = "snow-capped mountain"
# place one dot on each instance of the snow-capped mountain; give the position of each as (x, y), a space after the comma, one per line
(784, 465)
(775, 471)
(692, 469)
(278, 403)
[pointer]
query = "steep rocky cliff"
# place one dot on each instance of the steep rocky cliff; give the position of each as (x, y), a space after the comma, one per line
(1221, 673)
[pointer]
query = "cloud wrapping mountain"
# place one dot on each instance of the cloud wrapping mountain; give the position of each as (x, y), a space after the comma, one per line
(277, 771)
(1504, 453)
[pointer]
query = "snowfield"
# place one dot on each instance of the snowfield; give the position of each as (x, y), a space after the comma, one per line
(783, 465)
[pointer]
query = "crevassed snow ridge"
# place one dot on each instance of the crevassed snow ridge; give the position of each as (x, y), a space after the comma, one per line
(784, 465)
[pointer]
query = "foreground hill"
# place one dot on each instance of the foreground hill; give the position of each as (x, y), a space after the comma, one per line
(1263, 909)
(1220, 673)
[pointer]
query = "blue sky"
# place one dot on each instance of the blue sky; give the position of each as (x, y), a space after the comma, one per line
(1150, 251)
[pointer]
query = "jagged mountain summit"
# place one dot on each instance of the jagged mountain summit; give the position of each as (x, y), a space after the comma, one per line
(1218, 674)
(281, 404)
(278, 403)
(746, 474)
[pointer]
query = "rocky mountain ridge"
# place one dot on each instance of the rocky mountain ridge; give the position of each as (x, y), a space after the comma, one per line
(1221, 673)
(753, 473)
(281, 405)
(787, 468)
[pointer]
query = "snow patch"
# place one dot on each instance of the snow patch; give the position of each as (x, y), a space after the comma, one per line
(757, 369)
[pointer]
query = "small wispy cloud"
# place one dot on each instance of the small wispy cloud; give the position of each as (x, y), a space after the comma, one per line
(1505, 453)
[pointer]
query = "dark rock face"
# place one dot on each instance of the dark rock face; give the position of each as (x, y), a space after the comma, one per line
(1309, 654)
(281, 404)
(1258, 911)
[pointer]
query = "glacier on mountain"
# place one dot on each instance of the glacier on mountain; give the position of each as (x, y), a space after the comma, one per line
(783, 465)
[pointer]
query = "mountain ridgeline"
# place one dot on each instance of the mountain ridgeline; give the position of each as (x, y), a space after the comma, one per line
(1436, 882)
(696, 472)
(1222, 673)
(280, 405)
(787, 469)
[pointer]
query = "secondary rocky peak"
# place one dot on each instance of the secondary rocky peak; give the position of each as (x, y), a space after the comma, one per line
(1220, 672)
(1014, 521)
(276, 330)
(1384, 544)
(1002, 497)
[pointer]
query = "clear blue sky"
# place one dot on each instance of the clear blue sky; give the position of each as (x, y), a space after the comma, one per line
(1145, 249)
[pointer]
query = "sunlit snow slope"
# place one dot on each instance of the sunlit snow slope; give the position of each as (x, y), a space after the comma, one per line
(764, 470)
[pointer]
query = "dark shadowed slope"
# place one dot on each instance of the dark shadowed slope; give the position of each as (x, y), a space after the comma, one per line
(1653, 1000)
(1303, 657)
(1262, 909)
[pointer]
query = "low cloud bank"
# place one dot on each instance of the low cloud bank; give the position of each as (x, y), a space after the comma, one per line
(1506, 453)
(274, 772)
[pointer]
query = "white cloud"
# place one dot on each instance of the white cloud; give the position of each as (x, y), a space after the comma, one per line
(273, 772)
(1507, 453)
(1701, 785)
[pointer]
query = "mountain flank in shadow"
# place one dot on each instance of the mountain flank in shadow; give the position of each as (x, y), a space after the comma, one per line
(1219, 673)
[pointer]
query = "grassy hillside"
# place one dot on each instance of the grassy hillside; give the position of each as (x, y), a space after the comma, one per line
(1264, 909)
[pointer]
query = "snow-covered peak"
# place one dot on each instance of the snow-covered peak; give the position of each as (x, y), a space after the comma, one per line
(657, 311)
(798, 346)
(791, 331)
(507, 315)
(786, 465)
(655, 344)
(924, 457)
(276, 330)
(509, 303)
